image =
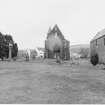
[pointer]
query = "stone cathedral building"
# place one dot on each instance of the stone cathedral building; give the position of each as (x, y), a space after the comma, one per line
(66, 52)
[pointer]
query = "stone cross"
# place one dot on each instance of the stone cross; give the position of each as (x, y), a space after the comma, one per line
(10, 51)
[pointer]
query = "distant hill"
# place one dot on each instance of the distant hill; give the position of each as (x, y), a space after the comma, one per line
(76, 48)
(42, 49)
(73, 48)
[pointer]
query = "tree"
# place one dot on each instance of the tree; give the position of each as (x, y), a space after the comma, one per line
(14, 50)
(4, 46)
(9, 39)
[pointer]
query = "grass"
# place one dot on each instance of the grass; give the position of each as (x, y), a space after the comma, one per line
(45, 82)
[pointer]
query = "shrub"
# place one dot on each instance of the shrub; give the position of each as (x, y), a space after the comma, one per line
(94, 59)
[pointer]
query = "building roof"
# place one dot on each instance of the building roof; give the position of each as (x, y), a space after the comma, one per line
(49, 31)
(99, 34)
(54, 30)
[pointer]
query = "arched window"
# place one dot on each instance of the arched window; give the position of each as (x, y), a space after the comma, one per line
(104, 41)
(96, 42)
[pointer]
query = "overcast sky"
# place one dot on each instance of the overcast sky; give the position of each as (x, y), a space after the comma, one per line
(28, 20)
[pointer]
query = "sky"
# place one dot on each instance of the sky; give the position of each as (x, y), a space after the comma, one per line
(28, 21)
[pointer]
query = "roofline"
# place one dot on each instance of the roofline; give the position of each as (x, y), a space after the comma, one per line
(97, 38)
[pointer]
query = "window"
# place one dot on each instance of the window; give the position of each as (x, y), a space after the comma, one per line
(96, 42)
(104, 41)
(56, 35)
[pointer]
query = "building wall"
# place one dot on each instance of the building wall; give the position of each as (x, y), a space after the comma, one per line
(56, 31)
(97, 46)
(65, 53)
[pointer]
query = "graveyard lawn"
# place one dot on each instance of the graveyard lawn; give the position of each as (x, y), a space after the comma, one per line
(45, 82)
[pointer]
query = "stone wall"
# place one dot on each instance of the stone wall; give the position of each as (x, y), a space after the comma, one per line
(98, 48)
